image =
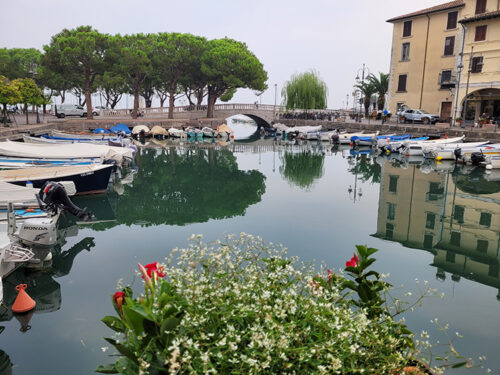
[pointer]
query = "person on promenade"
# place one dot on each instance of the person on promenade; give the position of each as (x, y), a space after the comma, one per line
(384, 116)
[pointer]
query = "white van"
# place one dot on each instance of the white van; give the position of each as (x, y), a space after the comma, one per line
(63, 110)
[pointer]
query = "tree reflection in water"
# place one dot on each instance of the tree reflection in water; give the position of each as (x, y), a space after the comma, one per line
(366, 168)
(177, 187)
(302, 169)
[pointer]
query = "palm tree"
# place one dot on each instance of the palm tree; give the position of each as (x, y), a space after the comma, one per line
(367, 89)
(381, 85)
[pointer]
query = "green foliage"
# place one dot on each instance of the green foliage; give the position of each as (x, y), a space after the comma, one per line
(194, 186)
(367, 90)
(381, 86)
(305, 91)
(241, 306)
(228, 64)
(9, 92)
(19, 62)
(365, 168)
(303, 168)
(29, 92)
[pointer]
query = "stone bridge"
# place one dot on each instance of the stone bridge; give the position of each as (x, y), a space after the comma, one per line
(262, 114)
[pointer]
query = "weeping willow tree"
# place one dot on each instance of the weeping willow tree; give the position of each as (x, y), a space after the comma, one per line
(305, 91)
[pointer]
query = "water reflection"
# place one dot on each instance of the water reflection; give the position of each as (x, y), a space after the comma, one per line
(178, 186)
(302, 168)
(452, 213)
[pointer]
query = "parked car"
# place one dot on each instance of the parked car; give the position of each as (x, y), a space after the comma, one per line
(419, 115)
(63, 110)
(96, 111)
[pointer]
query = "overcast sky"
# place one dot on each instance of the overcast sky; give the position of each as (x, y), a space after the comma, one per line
(289, 36)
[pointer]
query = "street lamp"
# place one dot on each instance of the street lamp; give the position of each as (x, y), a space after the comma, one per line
(365, 72)
(467, 86)
(33, 74)
(275, 95)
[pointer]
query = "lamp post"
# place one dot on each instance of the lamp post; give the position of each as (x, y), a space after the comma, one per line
(364, 71)
(275, 95)
(33, 74)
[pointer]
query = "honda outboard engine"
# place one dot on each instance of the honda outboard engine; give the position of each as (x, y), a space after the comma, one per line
(458, 153)
(477, 157)
(53, 196)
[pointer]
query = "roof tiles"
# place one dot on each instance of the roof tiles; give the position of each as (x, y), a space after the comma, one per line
(437, 8)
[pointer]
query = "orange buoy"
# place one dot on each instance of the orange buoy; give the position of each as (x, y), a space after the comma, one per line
(23, 302)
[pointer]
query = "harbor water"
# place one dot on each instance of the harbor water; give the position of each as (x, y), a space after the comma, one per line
(433, 223)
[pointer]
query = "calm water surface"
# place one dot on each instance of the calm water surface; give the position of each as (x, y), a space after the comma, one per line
(442, 226)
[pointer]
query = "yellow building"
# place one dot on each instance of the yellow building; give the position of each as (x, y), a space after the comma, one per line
(431, 65)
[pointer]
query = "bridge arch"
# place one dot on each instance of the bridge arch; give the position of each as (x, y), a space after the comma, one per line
(482, 101)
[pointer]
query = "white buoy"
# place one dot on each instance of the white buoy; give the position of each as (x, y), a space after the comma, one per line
(489, 167)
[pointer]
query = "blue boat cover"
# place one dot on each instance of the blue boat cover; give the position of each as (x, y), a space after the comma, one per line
(120, 128)
(101, 131)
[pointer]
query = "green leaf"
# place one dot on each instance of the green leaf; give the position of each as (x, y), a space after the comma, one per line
(460, 364)
(142, 312)
(170, 324)
(107, 369)
(114, 323)
(370, 251)
(362, 251)
(123, 350)
(126, 367)
(133, 319)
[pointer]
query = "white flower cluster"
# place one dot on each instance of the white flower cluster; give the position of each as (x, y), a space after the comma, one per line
(252, 310)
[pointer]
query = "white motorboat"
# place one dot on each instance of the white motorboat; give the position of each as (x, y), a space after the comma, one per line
(209, 132)
(419, 148)
(176, 133)
(345, 138)
(56, 134)
(492, 162)
(464, 152)
(65, 151)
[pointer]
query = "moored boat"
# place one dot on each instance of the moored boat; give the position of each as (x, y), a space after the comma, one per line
(88, 179)
(159, 132)
(65, 151)
(176, 133)
(140, 131)
(209, 132)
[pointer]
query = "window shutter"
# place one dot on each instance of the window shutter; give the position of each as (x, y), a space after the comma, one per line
(402, 82)
(449, 45)
(480, 33)
(407, 28)
(452, 20)
(480, 6)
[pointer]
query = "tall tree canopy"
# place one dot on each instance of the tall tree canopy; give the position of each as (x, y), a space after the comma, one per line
(81, 51)
(367, 90)
(9, 94)
(228, 65)
(19, 62)
(29, 93)
(305, 91)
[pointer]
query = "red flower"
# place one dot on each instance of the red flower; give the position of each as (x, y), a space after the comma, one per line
(118, 298)
(153, 267)
(329, 275)
(354, 262)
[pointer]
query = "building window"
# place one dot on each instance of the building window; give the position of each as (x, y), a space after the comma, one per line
(393, 184)
(407, 29)
(430, 220)
(445, 78)
(449, 45)
(482, 246)
(485, 219)
(391, 211)
(458, 214)
(428, 240)
(476, 64)
(435, 192)
(452, 20)
(480, 33)
(450, 256)
(389, 230)
(480, 6)
(455, 238)
(405, 52)
(402, 83)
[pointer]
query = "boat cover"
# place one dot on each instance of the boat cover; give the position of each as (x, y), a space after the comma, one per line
(101, 131)
(158, 130)
(120, 128)
(64, 151)
(224, 129)
(17, 194)
(138, 128)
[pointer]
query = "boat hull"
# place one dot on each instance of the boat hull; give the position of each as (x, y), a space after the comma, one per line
(93, 181)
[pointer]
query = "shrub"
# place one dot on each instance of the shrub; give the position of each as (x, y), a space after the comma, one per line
(241, 306)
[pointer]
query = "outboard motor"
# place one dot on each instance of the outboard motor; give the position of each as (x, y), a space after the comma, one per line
(458, 153)
(477, 157)
(335, 138)
(52, 196)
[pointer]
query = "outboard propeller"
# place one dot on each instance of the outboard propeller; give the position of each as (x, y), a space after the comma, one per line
(52, 196)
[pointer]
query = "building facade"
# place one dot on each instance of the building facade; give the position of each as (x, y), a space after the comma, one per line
(446, 58)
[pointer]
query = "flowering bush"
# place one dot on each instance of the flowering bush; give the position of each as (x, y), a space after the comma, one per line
(241, 306)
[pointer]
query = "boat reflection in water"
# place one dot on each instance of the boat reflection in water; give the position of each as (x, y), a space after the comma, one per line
(450, 211)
